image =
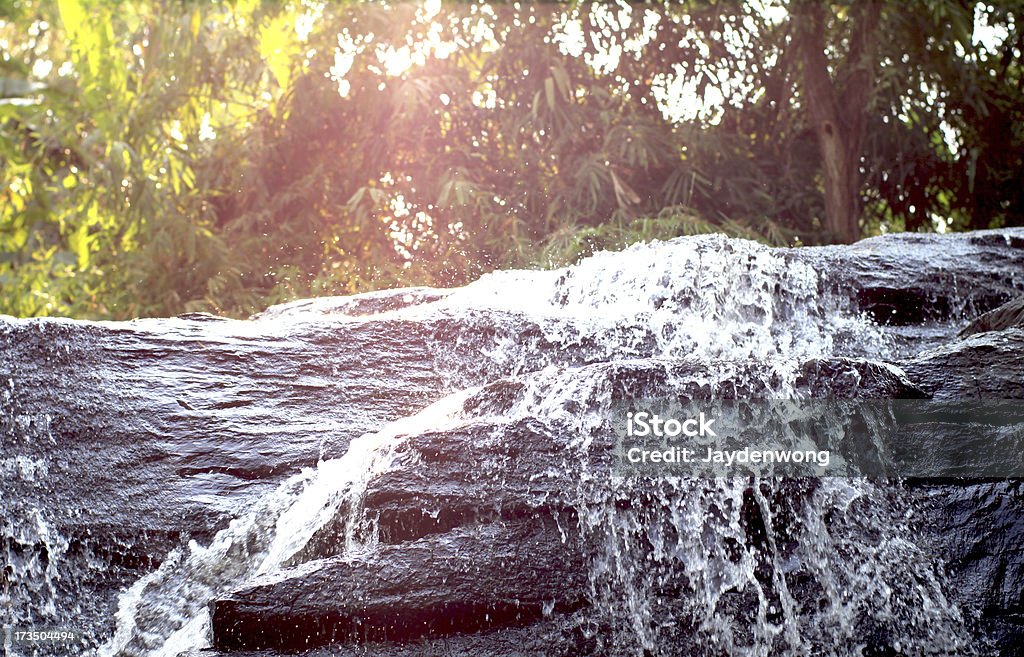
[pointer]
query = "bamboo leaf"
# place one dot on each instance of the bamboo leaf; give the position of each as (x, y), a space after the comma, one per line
(196, 23)
(275, 45)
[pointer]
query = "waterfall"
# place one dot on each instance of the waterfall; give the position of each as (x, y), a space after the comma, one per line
(166, 612)
(671, 561)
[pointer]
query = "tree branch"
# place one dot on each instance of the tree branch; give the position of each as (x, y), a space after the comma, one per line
(819, 96)
(860, 80)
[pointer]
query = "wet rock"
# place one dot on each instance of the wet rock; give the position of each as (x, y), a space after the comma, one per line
(912, 278)
(978, 529)
(126, 439)
(981, 366)
(557, 636)
(476, 473)
(475, 579)
(497, 469)
(978, 526)
(845, 378)
(121, 441)
(144, 417)
(1008, 315)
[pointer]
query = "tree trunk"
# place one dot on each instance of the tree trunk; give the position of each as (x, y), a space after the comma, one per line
(837, 104)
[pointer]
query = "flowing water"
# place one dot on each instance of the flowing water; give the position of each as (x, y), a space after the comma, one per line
(728, 566)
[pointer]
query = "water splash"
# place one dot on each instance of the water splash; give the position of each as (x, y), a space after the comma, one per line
(706, 296)
(166, 612)
(727, 566)
(745, 567)
(764, 567)
(32, 552)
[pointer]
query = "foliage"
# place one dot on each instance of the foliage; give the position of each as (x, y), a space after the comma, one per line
(108, 181)
(158, 157)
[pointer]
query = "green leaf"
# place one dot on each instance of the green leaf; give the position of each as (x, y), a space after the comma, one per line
(80, 241)
(196, 23)
(277, 42)
(73, 15)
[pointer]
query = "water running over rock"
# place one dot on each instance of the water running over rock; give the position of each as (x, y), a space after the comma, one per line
(390, 470)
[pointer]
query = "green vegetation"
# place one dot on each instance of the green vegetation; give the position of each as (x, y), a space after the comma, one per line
(169, 156)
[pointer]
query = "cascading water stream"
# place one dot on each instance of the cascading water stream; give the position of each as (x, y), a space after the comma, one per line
(712, 302)
(848, 568)
(166, 612)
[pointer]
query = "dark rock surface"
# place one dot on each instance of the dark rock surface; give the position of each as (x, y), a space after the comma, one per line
(981, 366)
(128, 439)
(978, 528)
(960, 277)
(477, 473)
(134, 437)
(472, 579)
(557, 636)
(1008, 315)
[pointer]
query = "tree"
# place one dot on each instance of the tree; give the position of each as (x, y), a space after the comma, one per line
(169, 156)
(837, 104)
(105, 168)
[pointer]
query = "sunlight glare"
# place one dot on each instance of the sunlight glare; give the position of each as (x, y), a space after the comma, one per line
(989, 37)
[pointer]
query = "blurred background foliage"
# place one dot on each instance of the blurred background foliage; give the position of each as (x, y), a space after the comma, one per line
(169, 156)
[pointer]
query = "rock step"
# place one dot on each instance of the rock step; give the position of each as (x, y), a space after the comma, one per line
(468, 580)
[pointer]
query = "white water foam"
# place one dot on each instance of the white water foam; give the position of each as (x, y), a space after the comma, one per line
(707, 295)
(166, 612)
(707, 298)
